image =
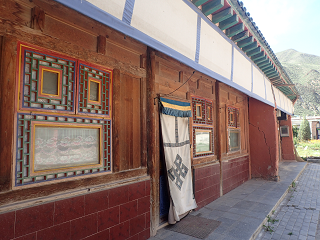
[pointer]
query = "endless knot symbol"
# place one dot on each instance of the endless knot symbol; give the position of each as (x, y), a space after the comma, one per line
(180, 170)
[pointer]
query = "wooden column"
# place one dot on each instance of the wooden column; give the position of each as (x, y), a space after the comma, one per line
(116, 120)
(153, 142)
(7, 106)
(218, 129)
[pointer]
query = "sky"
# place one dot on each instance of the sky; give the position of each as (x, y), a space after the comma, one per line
(288, 24)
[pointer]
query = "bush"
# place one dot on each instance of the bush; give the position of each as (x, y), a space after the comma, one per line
(304, 131)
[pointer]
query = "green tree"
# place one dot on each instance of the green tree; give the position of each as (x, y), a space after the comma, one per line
(295, 131)
(304, 131)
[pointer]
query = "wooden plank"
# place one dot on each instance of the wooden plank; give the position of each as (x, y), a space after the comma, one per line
(116, 121)
(152, 141)
(136, 120)
(220, 16)
(63, 31)
(212, 6)
(143, 115)
(46, 190)
(7, 106)
(229, 22)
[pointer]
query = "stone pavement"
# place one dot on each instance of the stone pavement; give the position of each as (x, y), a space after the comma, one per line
(297, 217)
(243, 211)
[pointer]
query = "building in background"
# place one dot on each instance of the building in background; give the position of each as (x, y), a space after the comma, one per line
(81, 150)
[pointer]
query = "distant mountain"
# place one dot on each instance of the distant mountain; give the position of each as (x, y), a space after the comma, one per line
(304, 71)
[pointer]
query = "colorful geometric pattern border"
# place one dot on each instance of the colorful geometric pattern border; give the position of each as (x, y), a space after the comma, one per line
(23, 148)
(104, 77)
(236, 118)
(194, 142)
(175, 108)
(31, 63)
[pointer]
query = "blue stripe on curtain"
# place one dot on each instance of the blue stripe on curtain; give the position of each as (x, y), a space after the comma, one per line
(174, 109)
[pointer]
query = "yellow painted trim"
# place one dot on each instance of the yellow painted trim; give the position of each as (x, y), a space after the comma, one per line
(182, 108)
(99, 91)
(210, 131)
(59, 78)
(199, 116)
(65, 125)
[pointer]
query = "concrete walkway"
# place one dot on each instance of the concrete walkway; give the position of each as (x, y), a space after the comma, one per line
(297, 217)
(243, 211)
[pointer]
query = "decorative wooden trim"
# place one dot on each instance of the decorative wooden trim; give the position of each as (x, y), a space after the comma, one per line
(54, 70)
(199, 116)
(210, 131)
(64, 125)
(99, 91)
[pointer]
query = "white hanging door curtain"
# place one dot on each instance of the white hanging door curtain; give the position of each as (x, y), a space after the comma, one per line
(175, 134)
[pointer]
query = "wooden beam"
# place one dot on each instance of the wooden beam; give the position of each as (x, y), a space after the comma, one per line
(272, 75)
(285, 85)
(223, 15)
(152, 146)
(199, 2)
(260, 65)
(254, 51)
(229, 22)
(260, 60)
(101, 44)
(258, 56)
(275, 79)
(212, 6)
(245, 42)
(7, 108)
(240, 36)
(37, 18)
(250, 47)
(267, 67)
(269, 70)
(230, 32)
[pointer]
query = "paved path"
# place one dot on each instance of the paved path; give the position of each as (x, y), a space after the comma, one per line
(298, 214)
(243, 210)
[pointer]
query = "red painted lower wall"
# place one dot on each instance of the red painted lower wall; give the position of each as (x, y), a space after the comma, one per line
(118, 213)
(234, 173)
(287, 151)
(207, 184)
(263, 139)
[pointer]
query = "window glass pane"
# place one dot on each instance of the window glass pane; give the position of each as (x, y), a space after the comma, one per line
(60, 147)
(203, 142)
(234, 140)
(50, 82)
(94, 91)
(198, 111)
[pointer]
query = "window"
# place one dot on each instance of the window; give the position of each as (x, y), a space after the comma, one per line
(284, 131)
(202, 127)
(61, 132)
(203, 141)
(234, 132)
(234, 139)
(198, 111)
